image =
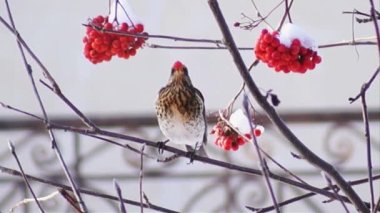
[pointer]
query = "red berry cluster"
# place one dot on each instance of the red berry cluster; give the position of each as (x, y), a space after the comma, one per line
(295, 58)
(100, 46)
(229, 139)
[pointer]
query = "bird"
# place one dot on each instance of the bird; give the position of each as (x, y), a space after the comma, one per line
(181, 113)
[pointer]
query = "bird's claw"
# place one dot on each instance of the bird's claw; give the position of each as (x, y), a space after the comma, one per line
(190, 155)
(161, 145)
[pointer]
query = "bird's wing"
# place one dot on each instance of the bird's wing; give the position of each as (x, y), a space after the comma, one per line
(204, 114)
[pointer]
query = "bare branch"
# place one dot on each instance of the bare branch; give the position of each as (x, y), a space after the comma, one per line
(182, 153)
(263, 166)
(31, 200)
(272, 114)
(119, 195)
(13, 151)
(330, 184)
(84, 191)
(141, 178)
(310, 194)
(38, 97)
(146, 36)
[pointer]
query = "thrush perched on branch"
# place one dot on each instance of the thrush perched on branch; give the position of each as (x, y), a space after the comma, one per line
(181, 112)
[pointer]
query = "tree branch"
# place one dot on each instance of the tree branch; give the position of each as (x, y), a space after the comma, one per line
(310, 194)
(272, 114)
(182, 153)
(84, 191)
(41, 105)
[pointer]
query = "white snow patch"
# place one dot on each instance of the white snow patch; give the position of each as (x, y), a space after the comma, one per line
(260, 128)
(289, 32)
(240, 121)
(124, 13)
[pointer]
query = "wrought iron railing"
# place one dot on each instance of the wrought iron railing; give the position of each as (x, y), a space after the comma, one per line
(336, 136)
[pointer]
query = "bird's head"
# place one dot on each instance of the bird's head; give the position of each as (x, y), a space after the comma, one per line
(179, 73)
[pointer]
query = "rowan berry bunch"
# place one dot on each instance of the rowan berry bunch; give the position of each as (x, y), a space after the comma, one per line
(228, 139)
(294, 58)
(101, 46)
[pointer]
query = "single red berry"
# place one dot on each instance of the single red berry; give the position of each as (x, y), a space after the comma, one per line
(264, 31)
(268, 38)
(303, 51)
(282, 48)
(309, 64)
(116, 44)
(317, 59)
(276, 55)
(248, 136)
(93, 53)
(295, 66)
(139, 28)
(123, 27)
(240, 140)
(108, 26)
(294, 50)
(98, 41)
(285, 57)
(263, 46)
(234, 146)
(269, 49)
(99, 19)
(296, 42)
(278, 68)
(132, 52)
(275, 42)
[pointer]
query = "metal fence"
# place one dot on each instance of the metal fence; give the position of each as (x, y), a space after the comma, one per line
(336, 136)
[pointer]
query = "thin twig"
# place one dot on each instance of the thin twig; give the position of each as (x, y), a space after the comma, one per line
(70, 198)
(365, 86)
(310, 194)
(146, 36)
(377, 206)
(59, 93)
(288, 6)
(195, 157)
(376, 24)
(274, 117)
(287, 10)
(13, 151)
(146, 200)
(334, 189)
(38, 97)
(270, 12)
(141, 178)
(46, 73)
(84, 191)
(31, 200)
(263, 166)
(120, 145)
(356, 42)
(368, 140)
(89, 133)
(119, 195)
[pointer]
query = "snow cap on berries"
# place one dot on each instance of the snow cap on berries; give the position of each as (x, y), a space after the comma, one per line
(240, 121)
(124, 13)
(289, 32)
